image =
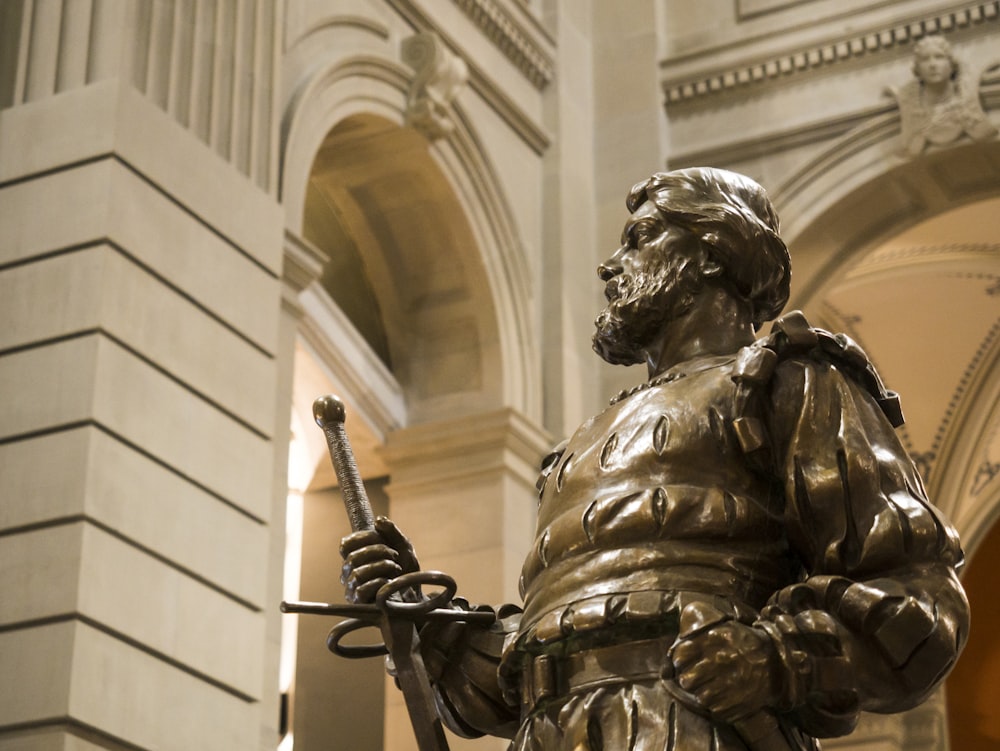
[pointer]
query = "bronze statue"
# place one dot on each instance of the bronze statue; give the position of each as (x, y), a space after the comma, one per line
(736, 554)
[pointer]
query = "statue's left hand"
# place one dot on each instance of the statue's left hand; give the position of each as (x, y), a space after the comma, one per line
(732, 669)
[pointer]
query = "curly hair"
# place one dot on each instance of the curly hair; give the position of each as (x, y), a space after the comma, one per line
(735, 222)
(930, 44)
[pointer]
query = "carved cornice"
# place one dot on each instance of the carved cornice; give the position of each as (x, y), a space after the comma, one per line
(778, 140)
(832, 52)
(511, 39)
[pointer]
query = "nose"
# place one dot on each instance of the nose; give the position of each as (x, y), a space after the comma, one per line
(611, 267)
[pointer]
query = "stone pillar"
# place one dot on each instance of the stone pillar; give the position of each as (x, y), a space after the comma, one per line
(140, 289)
(463, 490)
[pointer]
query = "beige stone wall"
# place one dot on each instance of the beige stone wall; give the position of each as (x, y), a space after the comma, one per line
(141, 277)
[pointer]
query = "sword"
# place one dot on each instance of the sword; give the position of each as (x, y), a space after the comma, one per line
(396, 618)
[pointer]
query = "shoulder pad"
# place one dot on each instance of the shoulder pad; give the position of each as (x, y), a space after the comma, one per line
(792, 336)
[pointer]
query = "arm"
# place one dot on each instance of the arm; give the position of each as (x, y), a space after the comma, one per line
(879, 617)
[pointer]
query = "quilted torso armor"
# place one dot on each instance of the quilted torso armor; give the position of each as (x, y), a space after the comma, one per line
(649, 499)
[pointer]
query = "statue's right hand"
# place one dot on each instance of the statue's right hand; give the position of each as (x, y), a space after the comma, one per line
(373, 558)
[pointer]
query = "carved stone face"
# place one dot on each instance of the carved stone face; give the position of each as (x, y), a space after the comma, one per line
(934, 66)
(649, 282)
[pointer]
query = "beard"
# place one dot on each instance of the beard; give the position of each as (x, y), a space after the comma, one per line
(641, 305)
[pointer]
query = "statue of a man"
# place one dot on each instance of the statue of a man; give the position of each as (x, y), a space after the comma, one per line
(736, 554)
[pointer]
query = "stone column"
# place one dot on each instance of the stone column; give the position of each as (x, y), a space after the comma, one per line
(140, 289)
(463, 490)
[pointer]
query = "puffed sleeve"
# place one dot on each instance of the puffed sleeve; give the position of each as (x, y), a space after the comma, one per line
(463, 662)
(879, 617)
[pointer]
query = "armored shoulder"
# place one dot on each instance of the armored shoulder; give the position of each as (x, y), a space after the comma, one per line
(792, 337)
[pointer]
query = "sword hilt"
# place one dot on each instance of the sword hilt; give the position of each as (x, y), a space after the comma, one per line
(329, 413)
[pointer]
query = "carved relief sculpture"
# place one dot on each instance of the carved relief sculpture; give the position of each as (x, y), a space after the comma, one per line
(942, 103)
(438, 77)
(735, 554)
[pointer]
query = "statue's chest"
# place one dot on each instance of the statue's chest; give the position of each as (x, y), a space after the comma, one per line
(676, 433)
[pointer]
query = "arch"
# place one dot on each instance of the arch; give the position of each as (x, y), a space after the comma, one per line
(374, 87)
(860, 192)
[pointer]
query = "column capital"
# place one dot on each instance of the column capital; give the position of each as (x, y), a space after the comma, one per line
(498, 441)
(302, 264)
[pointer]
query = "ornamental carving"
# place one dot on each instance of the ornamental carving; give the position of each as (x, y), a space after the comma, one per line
(438, 77)
(941, 104)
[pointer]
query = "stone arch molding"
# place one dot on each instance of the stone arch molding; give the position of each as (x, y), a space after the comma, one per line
(479, 223)
(862, 190)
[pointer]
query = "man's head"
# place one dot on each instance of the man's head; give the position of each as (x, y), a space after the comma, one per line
(688, 228)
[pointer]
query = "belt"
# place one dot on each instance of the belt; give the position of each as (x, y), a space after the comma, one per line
(550, 676)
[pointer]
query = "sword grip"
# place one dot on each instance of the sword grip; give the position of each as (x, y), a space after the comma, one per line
(329, 413)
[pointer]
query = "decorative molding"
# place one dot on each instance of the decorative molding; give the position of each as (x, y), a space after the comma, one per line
(351, 361)
(361, 23)
(829, 53)
(751, 8)
(302, 264)
(511, 39)
(438, 77)
(985, 346)
(985, 474)
(898, 256)
(508, 110)
(732, 152)
(421, 457)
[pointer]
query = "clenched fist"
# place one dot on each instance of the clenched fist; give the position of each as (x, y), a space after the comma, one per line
(732, 669)
(373, 558)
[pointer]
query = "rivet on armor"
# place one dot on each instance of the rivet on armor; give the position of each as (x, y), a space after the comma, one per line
(608, 449)
(589, 527)
(543, 548)
(659, 504)
(729, 506)
(717, 422)
(561, 474)
(661, 431)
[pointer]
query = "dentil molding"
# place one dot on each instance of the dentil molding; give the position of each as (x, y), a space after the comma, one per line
(831, 52)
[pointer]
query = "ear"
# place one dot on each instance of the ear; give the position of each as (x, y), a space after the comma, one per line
(711, 269)
(708, 265)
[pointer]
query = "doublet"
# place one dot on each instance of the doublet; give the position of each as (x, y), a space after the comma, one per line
(653, 495)
(767, 486)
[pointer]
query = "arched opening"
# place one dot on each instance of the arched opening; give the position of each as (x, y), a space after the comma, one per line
(402, 325)
(404, 267)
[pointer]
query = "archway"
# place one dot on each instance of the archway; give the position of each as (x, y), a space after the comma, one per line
(402, 325)
(405, 268)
